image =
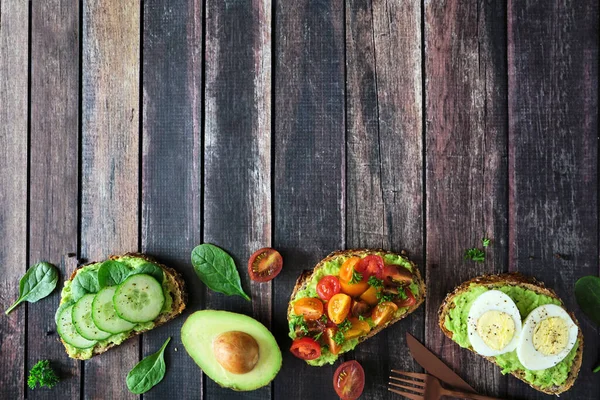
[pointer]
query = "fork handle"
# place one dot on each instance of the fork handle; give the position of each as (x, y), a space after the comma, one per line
(465, 395)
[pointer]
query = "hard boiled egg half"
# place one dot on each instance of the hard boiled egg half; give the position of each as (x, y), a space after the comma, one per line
(493, 324)
(548, 336)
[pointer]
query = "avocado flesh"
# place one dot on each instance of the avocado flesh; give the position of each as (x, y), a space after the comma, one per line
(202, 327)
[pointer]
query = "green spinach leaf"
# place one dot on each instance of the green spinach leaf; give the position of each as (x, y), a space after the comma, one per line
(85, 282)
(149, 269)
(111, 273)
(38, 282)
(217, 270)
(587, 293)
(148, 372)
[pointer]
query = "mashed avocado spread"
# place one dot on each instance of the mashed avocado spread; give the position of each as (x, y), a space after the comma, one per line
(526, 301)
(332, 267)
(132, 263)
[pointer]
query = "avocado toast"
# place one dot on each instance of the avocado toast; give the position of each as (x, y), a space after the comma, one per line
(348, 297)
(105, 303)
(529, 296)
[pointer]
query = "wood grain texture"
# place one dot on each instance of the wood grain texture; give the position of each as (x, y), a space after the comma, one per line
(309, 164)
(14, 27)
(171, 169)
(237, 152)
(466, 141)
(110, 161)
(384, 156)
(553, 153)
(53, 192)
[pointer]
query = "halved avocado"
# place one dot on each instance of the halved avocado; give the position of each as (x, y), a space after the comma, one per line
(209, 336)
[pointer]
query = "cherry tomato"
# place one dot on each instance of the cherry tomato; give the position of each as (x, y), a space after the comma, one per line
(348, 268)
(328, 286)
(383, 312)
(409, 301)
(370, 295)
(338, 307)
(306, 348)
(330, 332)
(394, 275)
(309, 307)
(372, 266)
(264, 265)
(349, 380)
(353, 289)
(360, 308)
(359, 328)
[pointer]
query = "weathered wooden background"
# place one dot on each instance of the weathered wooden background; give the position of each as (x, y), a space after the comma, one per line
(304, 125)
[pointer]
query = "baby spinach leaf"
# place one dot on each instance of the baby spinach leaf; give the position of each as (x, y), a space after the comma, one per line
(112, 273)
(217, 270)
(85, 282)
(149, 269)
(38, 282)
(148, 372)
(587, 293)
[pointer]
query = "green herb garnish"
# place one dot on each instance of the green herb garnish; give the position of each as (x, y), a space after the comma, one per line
(339, 338)
(345, 326)
(42, 374)
(475, 254)
(324, 318)
(148, 372)
(38, 282)
(297, 321)
(356, 277)
(361, 318)
(318, 336)
(376, 283)
(485, 242)
(597, 369)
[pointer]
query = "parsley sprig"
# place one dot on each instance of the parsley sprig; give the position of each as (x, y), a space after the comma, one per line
(376, 283)
(356, 277)
(476, 254)
(297, 321)
(42, 374)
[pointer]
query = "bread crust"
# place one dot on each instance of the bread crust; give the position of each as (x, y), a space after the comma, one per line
(178, 305)
(515, 279)
(305, 276)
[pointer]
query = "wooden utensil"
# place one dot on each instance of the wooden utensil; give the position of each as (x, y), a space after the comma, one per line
(426, 387)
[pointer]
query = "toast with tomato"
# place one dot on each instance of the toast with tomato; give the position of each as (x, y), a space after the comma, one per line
(348, 297)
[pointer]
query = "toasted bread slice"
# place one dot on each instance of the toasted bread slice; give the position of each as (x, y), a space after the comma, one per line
(176, 290)
(515, 279)
(306, 276)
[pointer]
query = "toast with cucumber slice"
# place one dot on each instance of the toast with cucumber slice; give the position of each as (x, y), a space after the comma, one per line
(105, 303)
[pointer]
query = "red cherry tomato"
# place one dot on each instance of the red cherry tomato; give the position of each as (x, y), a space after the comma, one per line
(349, 380)
(394, 275)
(306, 348)
(371, 266)
(265, 264)
(328, 286)
(409, 301)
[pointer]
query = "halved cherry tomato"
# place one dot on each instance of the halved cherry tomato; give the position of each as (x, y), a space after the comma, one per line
(409, 301)
(338, 308)
(359, 308)
(353, 289)
(395, 275)
(349, 380)
(309, 307)
(265, 264)
(328, 286)
(359, 328)
(383, 312)
(372, 266)
(306, 348)
(348, 268)
(370, 295)
(330, 332)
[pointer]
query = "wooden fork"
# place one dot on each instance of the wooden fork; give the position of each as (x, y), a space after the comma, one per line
(426, 387)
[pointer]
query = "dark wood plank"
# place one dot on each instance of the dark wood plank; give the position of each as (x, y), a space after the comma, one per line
(553, 153)
(309, 189)
(384, 156)
(14, 27)
(171, 168)
(54, 169)
(110, 161)
(466, 143)
(237, 191)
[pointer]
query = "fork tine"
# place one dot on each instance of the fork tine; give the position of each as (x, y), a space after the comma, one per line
(411, 381)
(419, 390)
(411, 374)
(407, 395)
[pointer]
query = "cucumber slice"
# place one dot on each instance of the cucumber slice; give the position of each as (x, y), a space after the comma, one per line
(67, 332)
(139, 298)
(104, 315)
(82, 319)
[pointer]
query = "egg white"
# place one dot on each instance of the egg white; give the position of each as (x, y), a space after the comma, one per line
(531, 358)
(492, 300)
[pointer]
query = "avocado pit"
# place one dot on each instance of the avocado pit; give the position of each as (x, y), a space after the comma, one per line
(236, 351)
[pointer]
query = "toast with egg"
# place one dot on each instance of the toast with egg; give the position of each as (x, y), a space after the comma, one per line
(492, 282)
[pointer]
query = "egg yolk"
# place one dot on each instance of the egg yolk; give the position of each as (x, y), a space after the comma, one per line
(550, 336)
(496, 329)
